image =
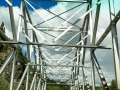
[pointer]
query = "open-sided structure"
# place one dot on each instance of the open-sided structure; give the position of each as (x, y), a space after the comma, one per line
(60, 48)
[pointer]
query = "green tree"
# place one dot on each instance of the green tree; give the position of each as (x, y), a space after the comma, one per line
(113, 85)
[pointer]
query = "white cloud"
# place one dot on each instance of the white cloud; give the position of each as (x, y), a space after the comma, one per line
(104, 56)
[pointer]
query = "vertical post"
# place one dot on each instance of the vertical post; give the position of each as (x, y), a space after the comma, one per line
(39, 84)
(115, 43)
(7, 61)
(87, 83)
(12, 22)
(96, 22)
(72, 79)
(74, 75)
(33, 81)
(13, 71)
(78, 84)
(23, 76)
(91, 39)
(116, 53)
(45, 86)
(83, 79)
(35, 84)
(15, 39)
(77, 68)
(27, 79)
(42, 88)
(28, 49)
(93, 70)
(80, 87)
(100, 73)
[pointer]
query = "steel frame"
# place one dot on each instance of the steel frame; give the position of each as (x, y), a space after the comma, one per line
(76, 63)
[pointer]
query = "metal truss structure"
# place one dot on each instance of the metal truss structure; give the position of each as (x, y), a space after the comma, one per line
(60, 52)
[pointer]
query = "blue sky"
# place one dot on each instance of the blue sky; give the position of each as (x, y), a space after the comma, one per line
(17, 3)
(44, 4)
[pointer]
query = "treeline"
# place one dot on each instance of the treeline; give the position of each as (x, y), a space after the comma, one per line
(60, 87)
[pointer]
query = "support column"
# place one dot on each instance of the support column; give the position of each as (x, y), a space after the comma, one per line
(100, 73)
(13, 71)
(28, 49)
(87, 83)
(23, 76)
(83, 86)
(93, 71)
(91, 39)
(33, 81)
(45, 86)
(77, 68)
(116, 53)
(15, 39)
(42, 88)
(39, 85)
(27, 79)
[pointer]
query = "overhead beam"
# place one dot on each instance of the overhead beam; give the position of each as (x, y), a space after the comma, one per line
(60, 29)
(62, 45)
(52, 84)
(54, 73)
(57, 65)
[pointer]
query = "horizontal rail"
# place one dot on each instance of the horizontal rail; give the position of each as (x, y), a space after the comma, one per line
(5, 38)
(62, 45)
(56, 65)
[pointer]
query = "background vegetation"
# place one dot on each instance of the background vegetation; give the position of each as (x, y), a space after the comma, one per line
(5, 50)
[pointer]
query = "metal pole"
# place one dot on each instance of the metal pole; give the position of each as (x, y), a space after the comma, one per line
(42, 88)
(13, 71)
(62, 45)
(32, 82)
(12, 22)
(115, 42)
(39, 84)
(91, 39)
(100, 73)
(45, 86)
(35, 83)
(7, 61)
(87, 83)
(28, 49)
(15, 39)
(96, 23)
(116, 53)
(83, 87)
(93, 71)
(27, 79)
(25, 71)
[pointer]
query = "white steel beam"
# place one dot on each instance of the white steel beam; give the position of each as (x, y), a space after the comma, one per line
(39, 14)
(22, 78)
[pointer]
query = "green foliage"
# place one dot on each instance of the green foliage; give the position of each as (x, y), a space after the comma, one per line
(21, 57)
(113, 85)
(58, 88)
(4, 85)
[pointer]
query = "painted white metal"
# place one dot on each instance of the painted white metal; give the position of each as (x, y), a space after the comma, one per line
(39, 14)
(54, 68)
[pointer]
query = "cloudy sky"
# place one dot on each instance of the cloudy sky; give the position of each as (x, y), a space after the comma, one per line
(105, 57)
